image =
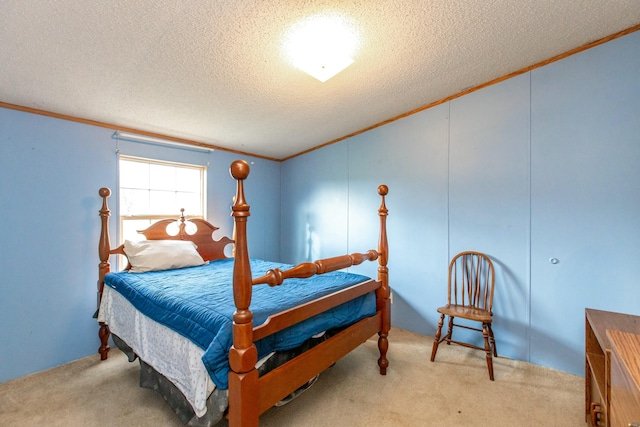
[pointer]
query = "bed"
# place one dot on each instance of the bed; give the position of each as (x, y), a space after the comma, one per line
(233, 336)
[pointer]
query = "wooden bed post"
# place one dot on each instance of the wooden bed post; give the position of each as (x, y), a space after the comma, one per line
(104, 251)
(243, 356)
(383, 294)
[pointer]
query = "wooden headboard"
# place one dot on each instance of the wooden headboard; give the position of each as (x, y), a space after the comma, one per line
(202, 236)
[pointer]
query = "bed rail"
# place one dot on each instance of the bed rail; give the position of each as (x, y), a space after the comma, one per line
(295, 315)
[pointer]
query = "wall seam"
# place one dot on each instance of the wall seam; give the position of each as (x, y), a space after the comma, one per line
(348, 195)
(529, 246)
(449, 182)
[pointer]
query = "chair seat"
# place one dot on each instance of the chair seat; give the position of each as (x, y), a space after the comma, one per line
(467, 312)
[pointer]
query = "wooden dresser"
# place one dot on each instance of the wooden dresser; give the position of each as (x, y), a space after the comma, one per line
(612, 369)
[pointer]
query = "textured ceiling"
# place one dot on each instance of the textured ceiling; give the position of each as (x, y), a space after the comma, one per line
(215, 72)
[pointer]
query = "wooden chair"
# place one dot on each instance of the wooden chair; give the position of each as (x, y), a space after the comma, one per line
(470, 296)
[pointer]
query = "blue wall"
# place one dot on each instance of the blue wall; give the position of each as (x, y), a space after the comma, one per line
(51, 172)
(543, 165)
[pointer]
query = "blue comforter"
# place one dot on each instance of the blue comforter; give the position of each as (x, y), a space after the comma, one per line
(197, 302)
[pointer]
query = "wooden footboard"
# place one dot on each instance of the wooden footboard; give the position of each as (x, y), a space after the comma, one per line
(249, 396)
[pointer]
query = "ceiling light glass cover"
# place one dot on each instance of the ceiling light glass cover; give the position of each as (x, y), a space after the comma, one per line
(322, 45)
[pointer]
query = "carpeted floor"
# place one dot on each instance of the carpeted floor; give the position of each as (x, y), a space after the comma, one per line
(452, 391)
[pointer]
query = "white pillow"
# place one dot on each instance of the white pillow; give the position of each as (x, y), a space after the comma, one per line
(154, 255)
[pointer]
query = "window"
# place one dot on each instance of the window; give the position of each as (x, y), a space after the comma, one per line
(151, 190)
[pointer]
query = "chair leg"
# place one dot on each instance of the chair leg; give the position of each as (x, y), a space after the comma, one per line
(492, 341)
(436, 339)
(488, 348)
(450, 331)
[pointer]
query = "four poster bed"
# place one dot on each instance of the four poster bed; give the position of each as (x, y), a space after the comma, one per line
(211, 337)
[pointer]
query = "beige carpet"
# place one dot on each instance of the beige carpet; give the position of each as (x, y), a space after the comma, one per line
(453, 391)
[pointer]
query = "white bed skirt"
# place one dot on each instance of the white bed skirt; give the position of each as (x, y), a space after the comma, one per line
(168, 352)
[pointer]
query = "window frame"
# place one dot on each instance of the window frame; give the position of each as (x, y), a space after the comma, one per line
(152, 218)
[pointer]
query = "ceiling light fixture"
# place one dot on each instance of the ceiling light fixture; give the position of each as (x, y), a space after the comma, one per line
(322, 45)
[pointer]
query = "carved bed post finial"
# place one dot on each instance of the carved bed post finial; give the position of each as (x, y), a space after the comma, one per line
(384, 292)
(243, 378)
(182, 224)
(104, 248)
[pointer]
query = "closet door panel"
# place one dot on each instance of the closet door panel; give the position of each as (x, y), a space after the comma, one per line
(489, 198)
(585, 141)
